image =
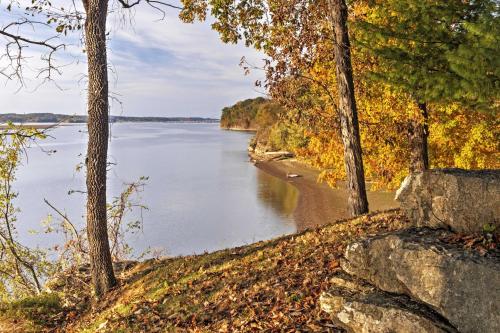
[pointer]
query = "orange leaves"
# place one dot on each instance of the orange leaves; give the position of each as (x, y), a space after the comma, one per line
(333, 265)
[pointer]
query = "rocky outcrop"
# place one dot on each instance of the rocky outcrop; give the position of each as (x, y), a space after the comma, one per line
(461, 286)
(423, 279)
(464, 201)
(371, 311)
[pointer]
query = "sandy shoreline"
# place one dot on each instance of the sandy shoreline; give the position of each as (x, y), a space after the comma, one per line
(319, 204)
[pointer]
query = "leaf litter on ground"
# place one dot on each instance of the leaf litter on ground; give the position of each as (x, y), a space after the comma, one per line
(269, 286)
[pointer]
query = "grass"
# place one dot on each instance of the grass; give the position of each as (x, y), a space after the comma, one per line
(266, 286)
(33, 314)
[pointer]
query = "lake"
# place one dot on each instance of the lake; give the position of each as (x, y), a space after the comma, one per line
(202, 193)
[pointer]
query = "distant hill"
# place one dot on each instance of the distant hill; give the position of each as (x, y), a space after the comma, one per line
(250, 114)
(63, 118)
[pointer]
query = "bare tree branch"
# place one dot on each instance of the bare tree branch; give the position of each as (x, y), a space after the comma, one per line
(66, 220)
(15, 45)
(157, 5)
(152, 3)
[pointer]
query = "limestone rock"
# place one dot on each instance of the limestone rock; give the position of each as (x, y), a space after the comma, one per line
(465, 201)
(379, 312)
(462, 286)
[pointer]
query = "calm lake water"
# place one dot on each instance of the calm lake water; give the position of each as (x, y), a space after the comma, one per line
(202, 192)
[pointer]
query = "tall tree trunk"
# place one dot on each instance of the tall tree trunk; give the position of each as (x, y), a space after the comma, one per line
(358, 203)
(418, 133)
(103, 277)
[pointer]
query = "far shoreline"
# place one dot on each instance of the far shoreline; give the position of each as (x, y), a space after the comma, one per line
(62, 124)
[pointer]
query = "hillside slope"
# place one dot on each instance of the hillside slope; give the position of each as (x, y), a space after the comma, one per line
(271, 286)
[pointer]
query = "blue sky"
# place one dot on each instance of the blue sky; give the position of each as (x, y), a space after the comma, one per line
(159, 68)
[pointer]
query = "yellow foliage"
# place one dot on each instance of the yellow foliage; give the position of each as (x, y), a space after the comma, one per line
(459, 137)
(464, 139)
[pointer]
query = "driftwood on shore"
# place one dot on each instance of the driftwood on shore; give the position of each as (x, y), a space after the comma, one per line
(271, 155)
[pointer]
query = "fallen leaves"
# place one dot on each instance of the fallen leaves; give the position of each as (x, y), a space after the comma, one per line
(483, 244)
(271, 286)
(268, 286)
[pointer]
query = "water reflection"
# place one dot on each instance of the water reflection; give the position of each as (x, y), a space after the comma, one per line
(277, 194)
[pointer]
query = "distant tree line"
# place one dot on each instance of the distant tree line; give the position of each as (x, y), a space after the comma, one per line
(64, 118)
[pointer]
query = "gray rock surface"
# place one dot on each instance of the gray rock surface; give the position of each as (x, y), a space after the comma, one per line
(375, 311)
(465, 201)
(461, 286)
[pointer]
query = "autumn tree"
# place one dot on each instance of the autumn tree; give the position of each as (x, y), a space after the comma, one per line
(21, 267)
(358, 202)
(95, 34)
(93, 21)
(289, 32)
(458, 136)
(103, 277)
(420, 48)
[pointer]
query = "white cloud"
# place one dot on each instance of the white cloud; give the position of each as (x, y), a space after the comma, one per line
(163, 68)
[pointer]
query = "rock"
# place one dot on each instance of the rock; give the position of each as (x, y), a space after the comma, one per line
(465, 201)
(461, 286)
(348, 283)
(377, 311)
(277, 155)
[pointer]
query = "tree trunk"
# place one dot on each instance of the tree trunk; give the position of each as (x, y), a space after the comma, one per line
(418, 133)
(103, 277)
(358, 203)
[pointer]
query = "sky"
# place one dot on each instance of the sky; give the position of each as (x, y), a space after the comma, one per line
(157, 68)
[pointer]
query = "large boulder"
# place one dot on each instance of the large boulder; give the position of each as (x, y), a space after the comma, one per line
(376, 311)
(462, 286)
(465, 201)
